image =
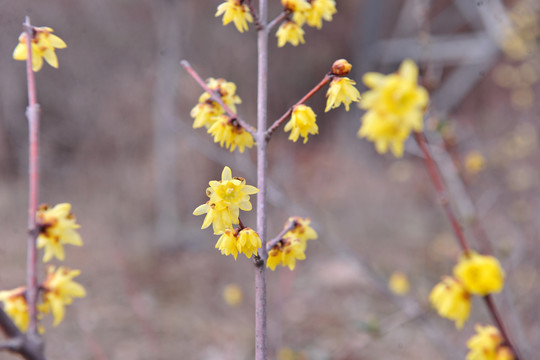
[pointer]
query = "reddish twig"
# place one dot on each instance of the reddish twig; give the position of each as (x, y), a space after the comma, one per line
(290, 226)
(277, 20)
(217, 98)
(312, 92)
(439, 187)
(32, 113)
(258, 25)
(262, 167)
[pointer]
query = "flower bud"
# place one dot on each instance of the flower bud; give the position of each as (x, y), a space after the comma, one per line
(341, 67)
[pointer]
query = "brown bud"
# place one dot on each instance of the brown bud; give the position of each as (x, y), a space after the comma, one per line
(341, 67)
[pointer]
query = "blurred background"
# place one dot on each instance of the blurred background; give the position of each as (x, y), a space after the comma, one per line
(117, 143)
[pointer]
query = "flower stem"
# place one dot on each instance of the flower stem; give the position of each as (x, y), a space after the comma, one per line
(32, 113)
(439, 187)
(262, 165)
(311, 92)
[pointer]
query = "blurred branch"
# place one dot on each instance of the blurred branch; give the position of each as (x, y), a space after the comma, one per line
(277, 20)
(290, 226)
(217, 98)
(29, 345)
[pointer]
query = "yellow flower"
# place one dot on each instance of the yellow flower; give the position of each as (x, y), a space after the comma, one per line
(16, 307)
(486, 345)
(451, 300)
(59, 289)
(285, 252)
(302, 230)
(227, 197)
(56, 228)
(320, 9)
(248, 242)
(398, 283)
(395, 107)
(299, 9)
(474, 162)
(205, 114)
(236, 12)
(225, 89)
(229, 132)
(302, 123)
(385, 131)
(341, 90)
(480, 274)
(227, 243)
(43, 45)
(290, 32)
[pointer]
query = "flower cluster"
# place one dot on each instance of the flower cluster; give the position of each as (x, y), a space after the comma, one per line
(55, 227)
(302, 123)
(235, 11)
(395, 106)
(474, 274)
(292, 245)
(487, 344)
(43, 43)
(209, 114)
(300, 12)
(227, 197)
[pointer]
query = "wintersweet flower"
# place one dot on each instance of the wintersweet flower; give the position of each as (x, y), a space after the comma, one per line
(302, 123)
(43, 45)
(237, 12)
(486, 345)
(341, 90)
(299, 9)
(302, 230)
(480, 274)
(320, 9)
(451, 300)
(225, 89)
(230, 133)
(285, 252)
(290, 32)
(59, 289)
(16, 307)
(398, 283)
(385, 131)
(227, 243)
(205, 114)
(248, 242)
(57, 227)
(227, 197)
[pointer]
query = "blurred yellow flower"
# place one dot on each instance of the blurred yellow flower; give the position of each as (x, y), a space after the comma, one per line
(59, 289)
(57, 227)
(451, 300)
(341, 90)
(205, 114)
(395, 106)
(320, 9)
(232, 294)
(302, 230)
(398, 283)
(474, 162)
(285, 252)
(44, 44)
(16, 307)
(302, 123)
(237, 12)
(290, 32)
(298, 8)
(480, 274)
(486, 345)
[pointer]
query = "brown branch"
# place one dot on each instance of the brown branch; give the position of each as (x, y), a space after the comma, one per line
(28, 345)
(290, 226)
(312, 92)
(215, 96)
(258, 25)
(438, 183)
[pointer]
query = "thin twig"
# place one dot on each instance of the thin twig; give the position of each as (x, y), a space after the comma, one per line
(290, 226)
(277, 20)
(215, 96)
(12, 344)
(438, 183)
(312, 92)
(258, 25)
(7, 326)
(32, 113)
(262, 166)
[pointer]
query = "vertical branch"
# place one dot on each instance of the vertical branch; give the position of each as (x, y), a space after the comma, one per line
(260, 268)
(32, 113)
